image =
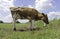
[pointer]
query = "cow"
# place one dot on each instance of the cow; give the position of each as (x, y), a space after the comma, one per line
(27, 13)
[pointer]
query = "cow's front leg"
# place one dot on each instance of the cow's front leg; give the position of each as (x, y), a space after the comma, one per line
(32, 25)
(45, 24)
(14, 22)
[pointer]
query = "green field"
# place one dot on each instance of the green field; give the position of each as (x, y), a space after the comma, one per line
(51, 31)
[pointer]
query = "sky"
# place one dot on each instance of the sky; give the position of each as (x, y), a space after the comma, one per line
(49, 7)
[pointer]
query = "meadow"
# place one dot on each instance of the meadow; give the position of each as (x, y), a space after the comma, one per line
(51, 31)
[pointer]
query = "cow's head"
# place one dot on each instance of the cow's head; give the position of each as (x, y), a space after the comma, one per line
(43, 17)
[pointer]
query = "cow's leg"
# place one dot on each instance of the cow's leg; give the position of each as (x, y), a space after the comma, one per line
(45, 24)
(14, 24)
(32, 25)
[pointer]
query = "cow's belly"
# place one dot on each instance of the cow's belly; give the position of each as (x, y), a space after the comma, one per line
(22, 17)
(25, 16)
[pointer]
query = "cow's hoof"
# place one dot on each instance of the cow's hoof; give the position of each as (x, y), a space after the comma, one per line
(31, 29)
(14, 29)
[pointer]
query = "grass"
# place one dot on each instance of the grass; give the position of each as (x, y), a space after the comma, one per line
(51, 31)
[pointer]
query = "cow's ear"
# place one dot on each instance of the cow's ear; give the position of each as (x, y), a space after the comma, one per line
(42, 13)
(46, 14)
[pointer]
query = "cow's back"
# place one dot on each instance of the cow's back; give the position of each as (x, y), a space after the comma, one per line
(24, 12)
(27, 12)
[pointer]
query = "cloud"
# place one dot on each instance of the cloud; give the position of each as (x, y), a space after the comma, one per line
(4, 9)
(43, 4)
(30, 6)
(5, 4)
(7, 19)
(1, 17)
(54, 15)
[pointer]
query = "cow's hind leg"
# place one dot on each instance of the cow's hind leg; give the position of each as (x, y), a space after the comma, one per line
(32, 25)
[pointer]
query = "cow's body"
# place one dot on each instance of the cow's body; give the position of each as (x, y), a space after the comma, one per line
(27, 13)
